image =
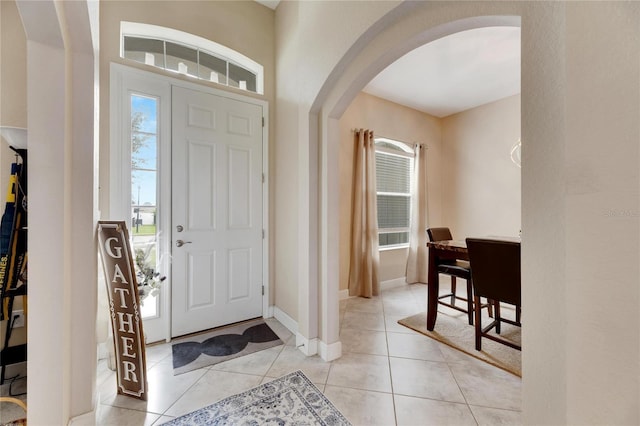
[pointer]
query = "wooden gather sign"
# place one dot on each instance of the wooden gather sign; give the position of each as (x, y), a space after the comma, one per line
(124, 301)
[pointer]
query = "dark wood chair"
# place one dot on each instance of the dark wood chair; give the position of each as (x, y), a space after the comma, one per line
(495, 272)
(455, 269)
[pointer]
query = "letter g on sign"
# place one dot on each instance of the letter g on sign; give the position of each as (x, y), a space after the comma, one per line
(118, 249)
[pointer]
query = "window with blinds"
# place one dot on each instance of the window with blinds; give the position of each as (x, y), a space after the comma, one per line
(394, 163)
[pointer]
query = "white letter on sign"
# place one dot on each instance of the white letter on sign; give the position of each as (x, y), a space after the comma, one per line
(126, 346)
(129, 368)
(128, 323)
(121, 291)
(117, 273)
(107, 247)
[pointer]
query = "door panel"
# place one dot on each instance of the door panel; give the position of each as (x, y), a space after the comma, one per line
(217, 202)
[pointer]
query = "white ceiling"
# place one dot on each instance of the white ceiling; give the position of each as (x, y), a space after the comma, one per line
(271, 4)
(454, 73)
(451, 74)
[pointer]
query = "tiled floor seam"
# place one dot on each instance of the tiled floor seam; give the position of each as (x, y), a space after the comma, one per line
(386, 337)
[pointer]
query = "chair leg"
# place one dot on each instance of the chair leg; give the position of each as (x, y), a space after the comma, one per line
(477, 308)
(490, 308)
(470, 301)
(497, 318)
(453, 290)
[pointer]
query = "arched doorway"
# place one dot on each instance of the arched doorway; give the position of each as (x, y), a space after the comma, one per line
(327, 116)
(543, 125)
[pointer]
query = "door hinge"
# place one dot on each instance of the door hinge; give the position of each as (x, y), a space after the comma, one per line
(263, 290)
(262, 121)
(263, 178)
(263, 234)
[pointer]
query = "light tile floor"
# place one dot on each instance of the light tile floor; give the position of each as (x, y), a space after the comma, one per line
(388, 374)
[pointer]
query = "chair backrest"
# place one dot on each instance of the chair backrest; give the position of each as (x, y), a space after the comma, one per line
(495, 269)
(439, 234)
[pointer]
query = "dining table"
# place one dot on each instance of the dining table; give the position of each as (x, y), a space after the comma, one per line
(445, 250)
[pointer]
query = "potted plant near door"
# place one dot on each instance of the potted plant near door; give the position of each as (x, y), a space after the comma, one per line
(149, 280)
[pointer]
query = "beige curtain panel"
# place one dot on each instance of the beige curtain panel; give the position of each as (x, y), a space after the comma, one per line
(417, 261)
(365, 259)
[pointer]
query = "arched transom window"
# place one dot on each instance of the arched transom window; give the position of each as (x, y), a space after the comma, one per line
(190, 55)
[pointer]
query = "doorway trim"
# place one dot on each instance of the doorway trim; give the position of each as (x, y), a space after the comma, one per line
(117, 169)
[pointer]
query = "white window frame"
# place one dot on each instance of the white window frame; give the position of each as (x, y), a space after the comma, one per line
(404, 151)
(124, 83)
(136, 29)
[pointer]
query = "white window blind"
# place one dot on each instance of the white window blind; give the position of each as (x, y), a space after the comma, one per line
(394, 164)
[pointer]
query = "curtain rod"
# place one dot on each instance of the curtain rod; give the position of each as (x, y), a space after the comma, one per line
(412, 144)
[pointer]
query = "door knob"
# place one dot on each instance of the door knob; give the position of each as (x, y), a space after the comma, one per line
(180, 243)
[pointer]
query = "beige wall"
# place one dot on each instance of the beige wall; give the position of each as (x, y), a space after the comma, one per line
(573, 347)
(480, 183)
(244, 26)
(13, 108)
(474, 187)
(13, 59)
(580, 92)
(13, 81)
(602, 207)
(312, 37)
(393, 121)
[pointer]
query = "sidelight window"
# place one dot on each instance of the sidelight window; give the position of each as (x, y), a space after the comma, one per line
(144, 186)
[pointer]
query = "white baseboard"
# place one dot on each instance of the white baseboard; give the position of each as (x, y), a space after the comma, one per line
(384, 285)
(396, 282)
(309, 347)
(330, 352)
(285, 320)
(268, 313)
(87, 419)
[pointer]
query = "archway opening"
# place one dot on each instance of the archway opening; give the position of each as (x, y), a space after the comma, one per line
(334, 99)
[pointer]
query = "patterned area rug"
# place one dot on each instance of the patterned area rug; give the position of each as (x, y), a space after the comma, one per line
(453, 329)
(289, 400)
(222, 344)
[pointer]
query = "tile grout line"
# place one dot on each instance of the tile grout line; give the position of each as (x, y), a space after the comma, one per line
(386, 338)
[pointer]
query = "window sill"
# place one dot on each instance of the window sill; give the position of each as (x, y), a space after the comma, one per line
(398, 247)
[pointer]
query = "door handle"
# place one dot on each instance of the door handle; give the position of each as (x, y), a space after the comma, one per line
(180, 243)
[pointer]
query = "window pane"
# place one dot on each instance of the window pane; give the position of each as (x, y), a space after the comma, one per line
(145, 50)
(143, 188)
(393, 211)
(144, 113)
(394, 238)
(146, 244)
(393, 173)
(182, 59)
(211, 64)
(237, 75)
(143, 222)
(144, 151)
(145, 155)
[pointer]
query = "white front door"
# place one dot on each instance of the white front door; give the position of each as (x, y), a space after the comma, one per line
(217, 228)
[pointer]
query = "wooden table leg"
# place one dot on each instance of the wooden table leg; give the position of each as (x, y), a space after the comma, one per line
(433, 290)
